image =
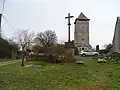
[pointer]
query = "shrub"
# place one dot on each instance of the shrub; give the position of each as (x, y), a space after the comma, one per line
(56, 54)
(59, 54)
(54, 58)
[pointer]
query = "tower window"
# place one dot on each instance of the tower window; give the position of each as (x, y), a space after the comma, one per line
(81, 26)
(82, 48)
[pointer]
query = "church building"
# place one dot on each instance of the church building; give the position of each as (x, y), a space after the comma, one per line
(116, 38)
(81, 33)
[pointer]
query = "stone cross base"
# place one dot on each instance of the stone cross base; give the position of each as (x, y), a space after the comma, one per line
(69, 44)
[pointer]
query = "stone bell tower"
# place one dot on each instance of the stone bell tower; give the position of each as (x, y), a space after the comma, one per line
(81, 34)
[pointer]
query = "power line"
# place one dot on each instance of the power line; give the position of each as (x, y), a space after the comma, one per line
(9, 23)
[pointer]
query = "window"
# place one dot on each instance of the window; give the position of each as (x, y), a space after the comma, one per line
(82, 39)
(82, 48)
(82, 35)
(88, 51)
(82, 26)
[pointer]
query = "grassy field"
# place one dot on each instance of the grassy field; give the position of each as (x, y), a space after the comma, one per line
(4, 59)
(91, 76)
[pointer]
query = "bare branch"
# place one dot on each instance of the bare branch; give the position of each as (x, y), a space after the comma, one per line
(24, 38)
(47, 38)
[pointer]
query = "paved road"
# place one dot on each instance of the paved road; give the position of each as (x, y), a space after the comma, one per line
(9, 62)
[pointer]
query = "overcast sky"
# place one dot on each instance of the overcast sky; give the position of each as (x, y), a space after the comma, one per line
(41, 15)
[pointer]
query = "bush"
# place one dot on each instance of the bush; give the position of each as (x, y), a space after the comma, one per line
(51, 58)
(55, 58)
(56, 54)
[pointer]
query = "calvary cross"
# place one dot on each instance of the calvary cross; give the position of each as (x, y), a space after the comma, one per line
(69, 25)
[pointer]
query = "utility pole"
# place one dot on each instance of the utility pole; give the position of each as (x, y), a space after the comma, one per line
(0, 24)
(1, 13)
(69, 25)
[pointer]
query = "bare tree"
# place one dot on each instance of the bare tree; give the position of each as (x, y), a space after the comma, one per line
(108, 46)
(47, 38)
(24, 38)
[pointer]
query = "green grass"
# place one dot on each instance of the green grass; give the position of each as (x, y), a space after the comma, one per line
(4, 59)
(91, 76)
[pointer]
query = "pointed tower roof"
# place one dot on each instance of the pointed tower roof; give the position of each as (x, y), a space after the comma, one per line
(81, 17)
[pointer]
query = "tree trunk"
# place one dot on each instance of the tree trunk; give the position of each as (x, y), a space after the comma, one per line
(23, 56)
(22, 62)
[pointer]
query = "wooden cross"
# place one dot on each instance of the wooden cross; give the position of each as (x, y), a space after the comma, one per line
(69, 25)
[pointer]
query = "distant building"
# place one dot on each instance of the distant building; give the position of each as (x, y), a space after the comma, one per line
(116, 38)
(81, 34)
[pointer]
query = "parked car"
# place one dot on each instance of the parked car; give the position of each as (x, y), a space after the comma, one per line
(88, 53)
